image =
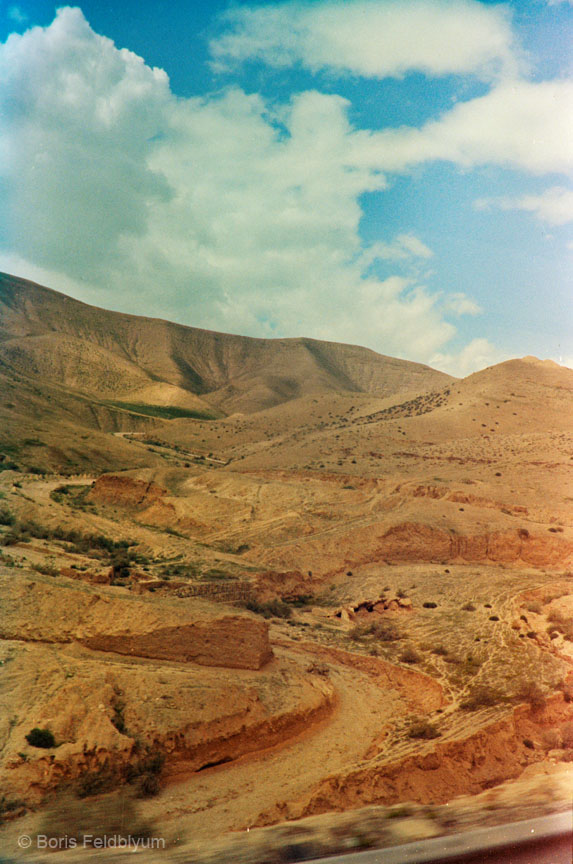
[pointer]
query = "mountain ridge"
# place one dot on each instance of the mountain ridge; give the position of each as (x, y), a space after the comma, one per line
(232, 372)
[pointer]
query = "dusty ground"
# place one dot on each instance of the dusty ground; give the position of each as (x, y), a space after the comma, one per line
(413, 557)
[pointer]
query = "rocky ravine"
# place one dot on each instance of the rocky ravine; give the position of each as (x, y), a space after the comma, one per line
(114, 677)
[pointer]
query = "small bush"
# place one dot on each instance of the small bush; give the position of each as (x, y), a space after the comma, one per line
(531, 692)
(6, 516)
(270, 609)
(481, 697)
(410, 655)
(145, 774)
(41, 738)
(46, 569)
(37, 469)
(96, 783)
(423, 729)
(469, 607)
(386, 632)
(567, 735)
(148, 786)
(440, 650)
(359, 631)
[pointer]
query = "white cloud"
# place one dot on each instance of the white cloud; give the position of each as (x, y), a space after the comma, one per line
(220, 213)
(554, 205)
(477, 354)
(77, 118)
(206, 210)
(371, 38)
(521, 124)
(403, 248)
(460, 304)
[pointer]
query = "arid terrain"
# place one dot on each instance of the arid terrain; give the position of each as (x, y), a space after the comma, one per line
(249, 582)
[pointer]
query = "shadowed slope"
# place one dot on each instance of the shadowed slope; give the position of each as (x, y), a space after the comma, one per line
(44, 333)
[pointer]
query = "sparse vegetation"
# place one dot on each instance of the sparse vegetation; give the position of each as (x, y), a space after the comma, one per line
(423, 729)
(384, 631)
(89, 822)
(532, 693)
(410, 655)
(46, 569)
(269, 609)
(41, 738)
(165, 412)
(6, 516)
(481, 696)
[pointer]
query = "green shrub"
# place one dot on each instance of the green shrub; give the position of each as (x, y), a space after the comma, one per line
(41, 738)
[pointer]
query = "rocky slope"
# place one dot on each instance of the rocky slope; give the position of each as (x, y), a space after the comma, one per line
(43, 333)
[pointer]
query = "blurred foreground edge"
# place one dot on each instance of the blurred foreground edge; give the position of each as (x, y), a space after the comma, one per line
(546, 840)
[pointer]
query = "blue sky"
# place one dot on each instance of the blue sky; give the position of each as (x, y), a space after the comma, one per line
(391, 173)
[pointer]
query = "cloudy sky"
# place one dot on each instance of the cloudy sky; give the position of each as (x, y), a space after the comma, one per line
(391, 173)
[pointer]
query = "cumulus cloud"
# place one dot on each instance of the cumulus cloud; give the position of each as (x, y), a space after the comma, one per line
(77, 119)
(211, 211)
(554, 206)
(371, 38)
(227, 212)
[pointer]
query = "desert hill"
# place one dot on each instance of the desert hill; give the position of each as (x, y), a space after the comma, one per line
(143, 360)
(407, 536)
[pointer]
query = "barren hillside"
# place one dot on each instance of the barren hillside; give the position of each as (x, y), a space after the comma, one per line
(350, 588)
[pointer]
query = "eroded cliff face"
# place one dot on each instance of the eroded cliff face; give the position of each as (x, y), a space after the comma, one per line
(500, 751)
(126, 491)
(419, 542)
(412, 541)
(109, 715)
(117, 678)
(403, 523)
(197, 632)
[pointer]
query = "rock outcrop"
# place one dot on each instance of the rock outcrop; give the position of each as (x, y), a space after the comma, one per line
(37, 609)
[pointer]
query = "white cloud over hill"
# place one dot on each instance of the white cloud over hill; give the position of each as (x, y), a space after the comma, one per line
(233, 214)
